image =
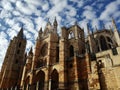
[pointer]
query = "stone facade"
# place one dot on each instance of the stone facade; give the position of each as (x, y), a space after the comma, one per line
(70, 61)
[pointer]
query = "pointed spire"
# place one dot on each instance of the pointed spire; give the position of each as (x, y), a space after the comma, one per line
(31, 51)
(40, 31)
(114, 24)
(103, 25)
(55, 22)
(96, 28)
(20, 34)
(88, 30)
(48, 23)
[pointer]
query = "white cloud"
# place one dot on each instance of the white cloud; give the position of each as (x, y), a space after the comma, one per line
(110, 10)
(5, 14)
(11, 33)
(16, 13)
(83, 24)
(6, 5)
(89, 13)
(23, 8)
(45, 7)
(40, 22)
(58, 7)
(29, 45)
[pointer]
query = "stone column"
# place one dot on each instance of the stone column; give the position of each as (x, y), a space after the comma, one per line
(49, 84)
(27, 88)
(37, 86)
(46, 85)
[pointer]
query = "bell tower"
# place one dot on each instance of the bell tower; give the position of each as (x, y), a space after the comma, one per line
(11, 71)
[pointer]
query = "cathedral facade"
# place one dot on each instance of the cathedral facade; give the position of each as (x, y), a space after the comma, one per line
(70, 61)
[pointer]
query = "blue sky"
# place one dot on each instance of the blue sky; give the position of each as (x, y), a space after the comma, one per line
(33, 14)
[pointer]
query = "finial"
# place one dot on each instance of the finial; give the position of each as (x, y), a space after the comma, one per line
(55, 22)
(88, 30)
(41, 29)
(55, 17)
(114, 24)
(76, 23)
(96, 28)
(48, 22)
(113, 20)
(31, 52)
(103, 25)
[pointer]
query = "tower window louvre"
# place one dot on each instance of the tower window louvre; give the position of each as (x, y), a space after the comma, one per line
(71, 51)
(20, 44)
(114, 51)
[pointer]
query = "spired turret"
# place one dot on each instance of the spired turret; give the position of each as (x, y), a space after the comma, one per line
(40, 33)
(31, 51)
(55, 24)
(48, 24)
(116, 34)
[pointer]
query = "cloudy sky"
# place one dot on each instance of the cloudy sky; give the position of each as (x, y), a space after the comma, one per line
(33, 14)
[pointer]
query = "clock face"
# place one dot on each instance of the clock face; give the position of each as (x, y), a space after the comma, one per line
(44, 49)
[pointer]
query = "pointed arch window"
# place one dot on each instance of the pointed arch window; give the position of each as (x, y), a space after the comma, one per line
(54, 80)
(103, 43)
(57, 54)
(71, 35)
(44, 49)
(71, 50)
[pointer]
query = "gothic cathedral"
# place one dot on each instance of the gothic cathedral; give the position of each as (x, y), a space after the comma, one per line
(69, 61)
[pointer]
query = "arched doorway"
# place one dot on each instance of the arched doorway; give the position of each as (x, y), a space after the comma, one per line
(103, 43)
(71, 50)
(39, 80)
(54, 80)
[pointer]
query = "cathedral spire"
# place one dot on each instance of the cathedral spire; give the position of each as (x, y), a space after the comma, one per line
(114, 24)
(55, 22)
(40, 33)
(20, 34)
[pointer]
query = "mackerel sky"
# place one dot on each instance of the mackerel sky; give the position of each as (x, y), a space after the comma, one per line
(33, 14)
